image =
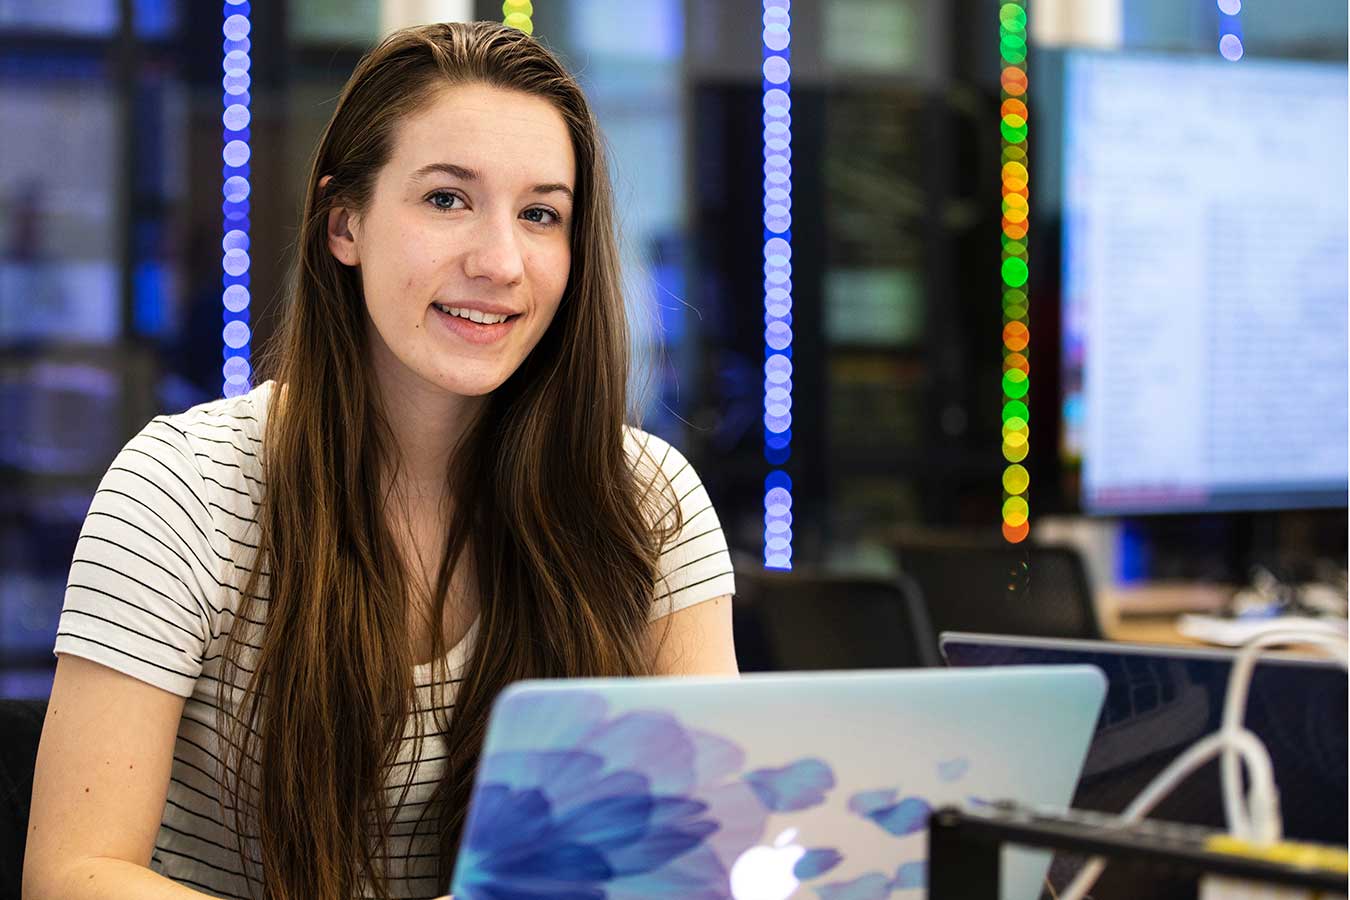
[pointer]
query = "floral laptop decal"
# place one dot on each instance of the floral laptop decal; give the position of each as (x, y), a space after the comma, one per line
(690, 788)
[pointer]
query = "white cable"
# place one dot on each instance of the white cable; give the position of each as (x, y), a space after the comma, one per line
(1234, 714)
(1263, 795)
(1263, 791)
(1231, 740)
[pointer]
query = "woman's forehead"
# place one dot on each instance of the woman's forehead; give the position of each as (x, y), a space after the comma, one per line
(504, 136)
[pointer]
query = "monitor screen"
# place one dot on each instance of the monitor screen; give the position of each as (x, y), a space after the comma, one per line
(1204, 282)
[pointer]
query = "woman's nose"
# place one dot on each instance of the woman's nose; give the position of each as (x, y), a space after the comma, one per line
(494, 251)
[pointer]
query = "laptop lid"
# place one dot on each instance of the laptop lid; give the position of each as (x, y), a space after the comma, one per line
(764, 787)
(1162, 699)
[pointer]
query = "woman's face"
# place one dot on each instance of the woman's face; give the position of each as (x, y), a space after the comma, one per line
(464, 248)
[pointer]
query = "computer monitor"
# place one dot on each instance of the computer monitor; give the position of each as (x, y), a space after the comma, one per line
(1204, 281)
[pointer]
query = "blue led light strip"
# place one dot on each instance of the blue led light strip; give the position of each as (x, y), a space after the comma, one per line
(777, 282)
(235, 262)
(1230, 30)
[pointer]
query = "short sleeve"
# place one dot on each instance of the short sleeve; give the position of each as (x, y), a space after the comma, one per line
(137, 599)
(695, 565)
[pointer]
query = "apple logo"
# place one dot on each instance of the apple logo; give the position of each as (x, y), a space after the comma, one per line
(765, 873)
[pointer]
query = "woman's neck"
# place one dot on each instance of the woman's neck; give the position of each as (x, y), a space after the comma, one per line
(426, 425)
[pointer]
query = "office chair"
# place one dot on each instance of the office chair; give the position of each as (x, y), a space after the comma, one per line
(803, 621)
(20, 729)
(989, 586)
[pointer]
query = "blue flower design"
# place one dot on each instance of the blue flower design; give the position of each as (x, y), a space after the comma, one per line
(912, 875)
(873, 886)
(576, 804)
(799, 786)
(899, 818)
(817, 862)
(906, 817)
(868, 802)
(953, 769)
(876, 886)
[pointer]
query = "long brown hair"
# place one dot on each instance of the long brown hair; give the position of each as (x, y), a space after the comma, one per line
(561, 532)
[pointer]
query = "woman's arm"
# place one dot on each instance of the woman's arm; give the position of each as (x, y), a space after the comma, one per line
(99, 789)
(695, 640)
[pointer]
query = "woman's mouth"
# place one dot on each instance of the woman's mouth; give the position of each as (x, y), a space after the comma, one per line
(473, 325)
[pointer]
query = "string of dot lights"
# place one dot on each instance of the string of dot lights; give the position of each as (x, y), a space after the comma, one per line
(1012, 29)
(235, 208)
(517, 13)
(777, 91)
(1230, 30)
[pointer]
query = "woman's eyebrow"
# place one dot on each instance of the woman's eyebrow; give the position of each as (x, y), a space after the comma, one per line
(466, 174)
(553, 188)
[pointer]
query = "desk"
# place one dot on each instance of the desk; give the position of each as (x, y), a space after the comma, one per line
(1152, 629)
(1147, 613)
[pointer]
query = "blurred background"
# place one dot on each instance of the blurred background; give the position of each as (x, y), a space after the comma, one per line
(1187, 297)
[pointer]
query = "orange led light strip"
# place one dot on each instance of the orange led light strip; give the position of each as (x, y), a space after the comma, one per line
(1012, 32)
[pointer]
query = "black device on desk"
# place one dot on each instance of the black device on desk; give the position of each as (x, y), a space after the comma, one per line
(1160, 700)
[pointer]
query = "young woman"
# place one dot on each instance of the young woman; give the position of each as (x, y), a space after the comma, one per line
(289, 612)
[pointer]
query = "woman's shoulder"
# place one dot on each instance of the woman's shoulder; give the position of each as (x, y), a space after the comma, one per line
(234, 422)
(666, 479)
(212, 450)
(694, 562)
(651, 454)
(168, 540)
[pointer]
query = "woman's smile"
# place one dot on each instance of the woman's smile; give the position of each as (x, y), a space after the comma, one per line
(474, 325)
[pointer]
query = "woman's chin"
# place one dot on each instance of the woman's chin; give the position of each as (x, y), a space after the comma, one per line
(469, 387)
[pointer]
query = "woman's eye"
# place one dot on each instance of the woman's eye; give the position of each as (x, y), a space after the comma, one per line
(540, 211)
(443, 200)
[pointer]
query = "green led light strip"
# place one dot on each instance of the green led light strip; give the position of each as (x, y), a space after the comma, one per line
(1012, 32)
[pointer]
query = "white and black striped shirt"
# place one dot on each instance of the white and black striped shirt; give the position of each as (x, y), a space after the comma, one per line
(154, 588)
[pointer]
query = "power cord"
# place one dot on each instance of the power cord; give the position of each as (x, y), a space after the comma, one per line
(1257, 820)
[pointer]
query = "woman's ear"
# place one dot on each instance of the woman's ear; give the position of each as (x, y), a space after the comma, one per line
(341, 233)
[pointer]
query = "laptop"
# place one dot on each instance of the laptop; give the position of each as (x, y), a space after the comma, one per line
(766, 787)
(1161, 699)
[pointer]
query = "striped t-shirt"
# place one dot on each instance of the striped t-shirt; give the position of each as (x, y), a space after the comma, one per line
(155, 584)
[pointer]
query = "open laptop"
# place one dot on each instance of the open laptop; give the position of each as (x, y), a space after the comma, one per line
(764, 787)
(1160, 700)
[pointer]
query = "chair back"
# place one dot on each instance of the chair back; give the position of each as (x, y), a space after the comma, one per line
(20, 729)
(812, 621)
(1032, 590)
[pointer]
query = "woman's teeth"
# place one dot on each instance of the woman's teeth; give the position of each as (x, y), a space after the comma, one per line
(472, 315)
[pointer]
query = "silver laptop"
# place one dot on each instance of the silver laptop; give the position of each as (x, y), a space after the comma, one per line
(761, 788)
